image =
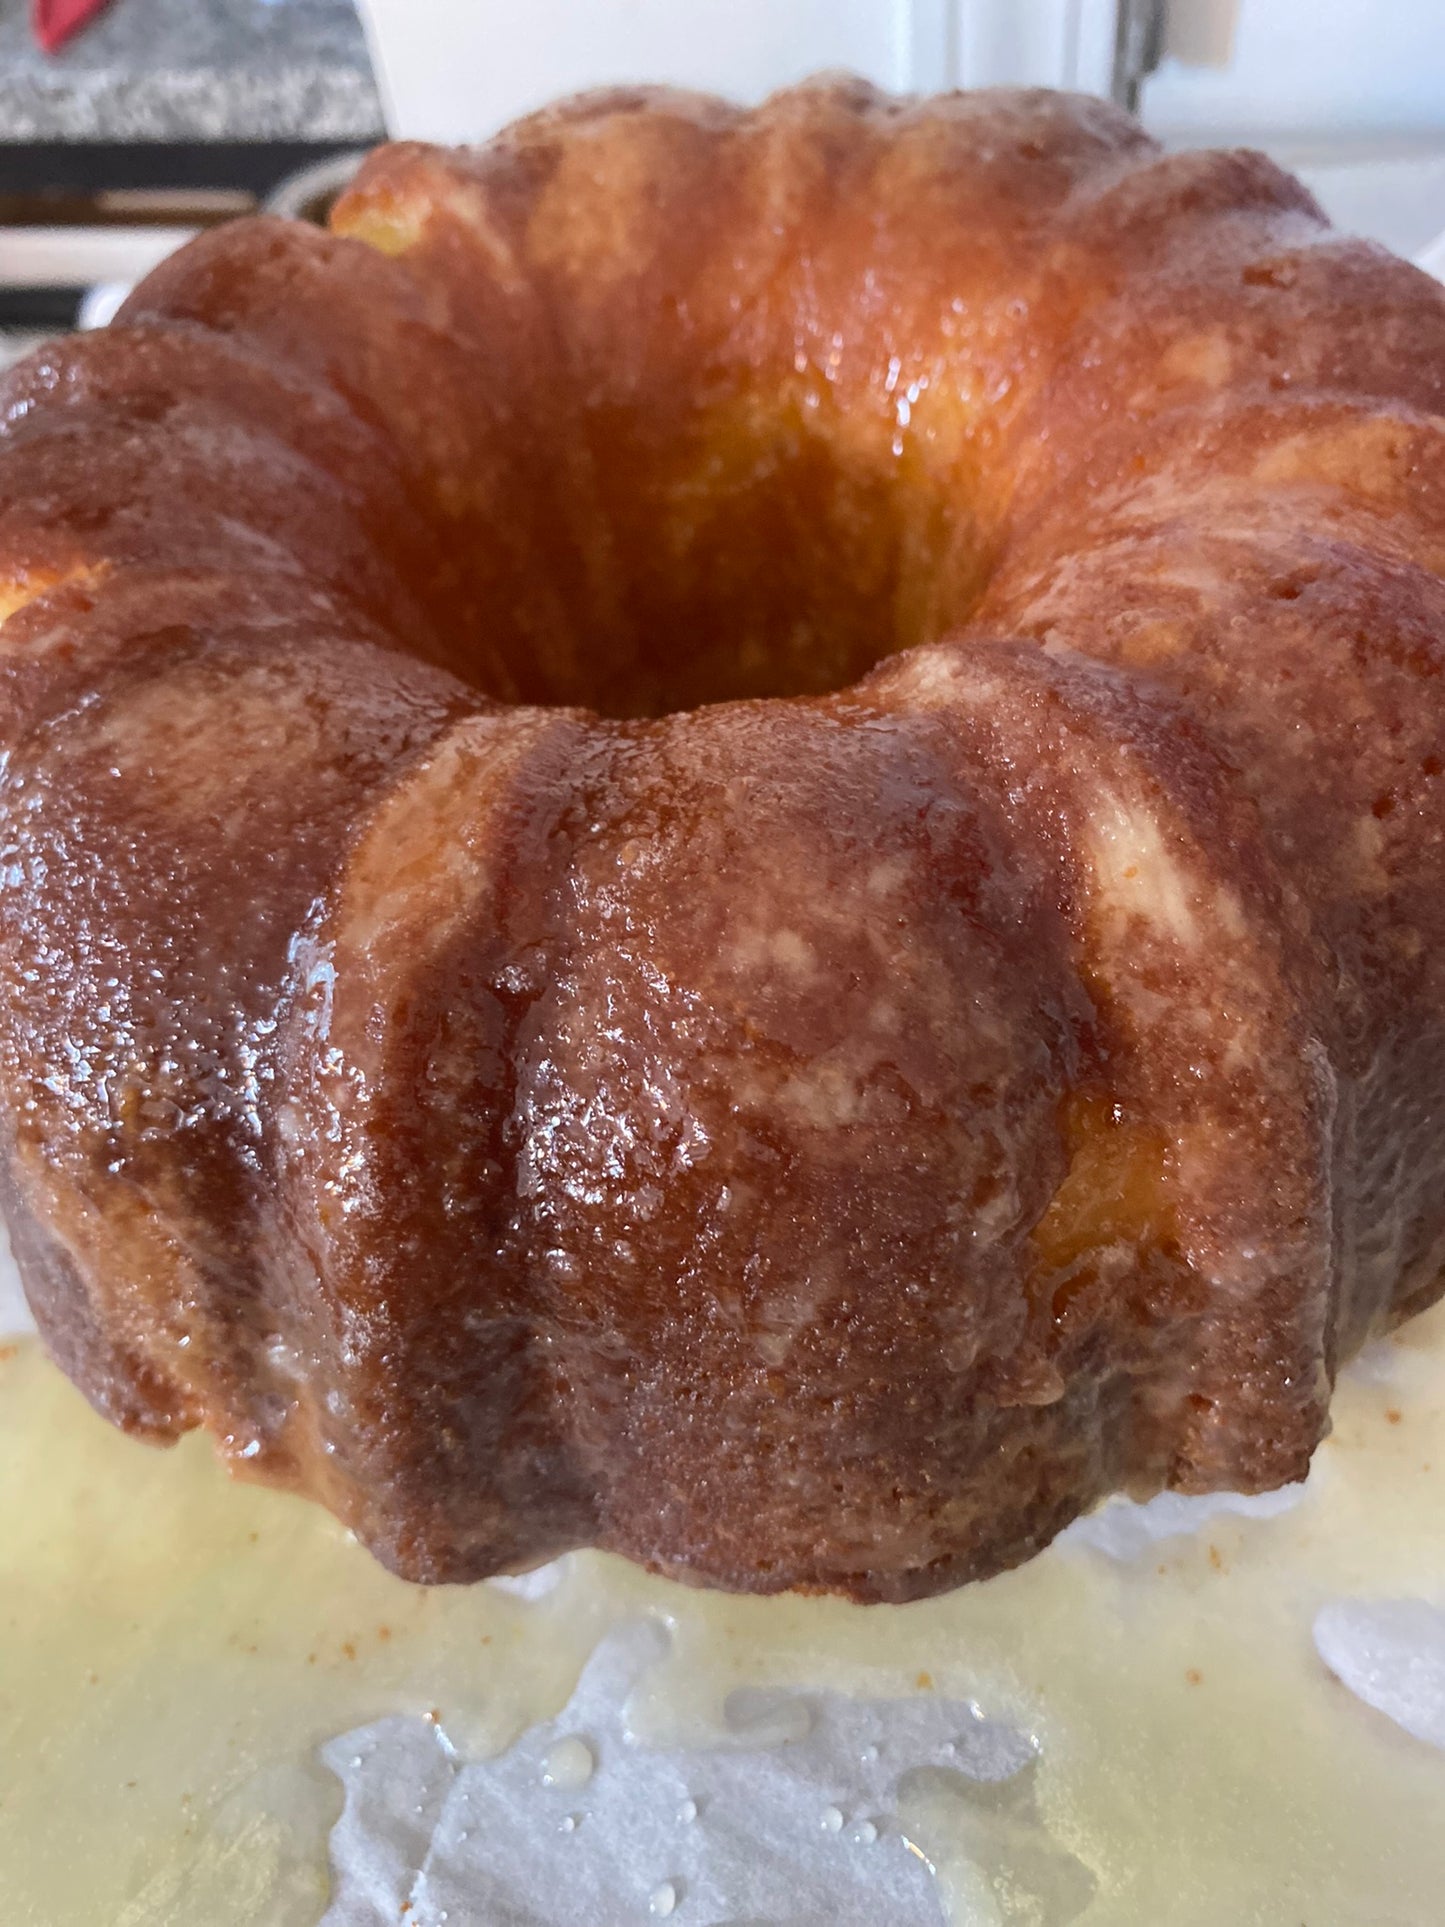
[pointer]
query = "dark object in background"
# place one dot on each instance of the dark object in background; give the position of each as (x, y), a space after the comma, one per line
(83, 188)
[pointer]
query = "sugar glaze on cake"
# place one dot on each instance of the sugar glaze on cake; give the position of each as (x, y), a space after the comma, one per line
(723, 835)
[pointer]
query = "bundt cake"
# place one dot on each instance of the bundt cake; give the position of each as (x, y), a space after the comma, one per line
(724, 835)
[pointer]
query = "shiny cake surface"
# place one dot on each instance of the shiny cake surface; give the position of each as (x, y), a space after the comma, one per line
(723, 836)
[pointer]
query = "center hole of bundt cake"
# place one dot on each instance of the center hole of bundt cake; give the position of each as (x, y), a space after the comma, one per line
(772, 572)
(751, 554)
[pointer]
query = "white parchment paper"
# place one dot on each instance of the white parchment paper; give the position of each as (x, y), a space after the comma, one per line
(811, 1807)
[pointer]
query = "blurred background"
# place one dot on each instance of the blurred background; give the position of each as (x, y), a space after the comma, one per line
(127, 124)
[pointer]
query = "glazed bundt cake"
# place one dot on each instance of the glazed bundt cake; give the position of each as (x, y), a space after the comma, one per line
(724, 835)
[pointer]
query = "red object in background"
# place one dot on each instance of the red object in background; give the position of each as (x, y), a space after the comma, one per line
(54, 21)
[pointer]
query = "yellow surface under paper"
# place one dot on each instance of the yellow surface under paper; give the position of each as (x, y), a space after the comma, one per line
(173, 1647)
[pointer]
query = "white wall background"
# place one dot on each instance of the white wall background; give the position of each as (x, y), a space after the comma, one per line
(1314, 69)
(458, 69)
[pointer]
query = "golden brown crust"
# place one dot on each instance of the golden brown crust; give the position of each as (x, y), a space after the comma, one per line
(825, 1142)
